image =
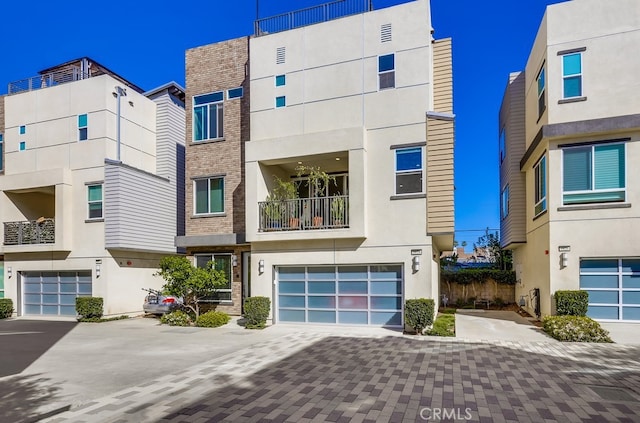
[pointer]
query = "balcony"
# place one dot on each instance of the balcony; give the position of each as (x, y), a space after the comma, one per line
(41, 231)
(304, 214)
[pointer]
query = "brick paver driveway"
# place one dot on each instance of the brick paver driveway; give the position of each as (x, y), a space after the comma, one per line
(315, 377)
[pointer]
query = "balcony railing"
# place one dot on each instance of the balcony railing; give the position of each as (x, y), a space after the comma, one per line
(304, 214)
(41, 231)
(47, 80)
(311, 15)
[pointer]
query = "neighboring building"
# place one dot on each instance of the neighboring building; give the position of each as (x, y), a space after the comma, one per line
(368, 99)
(569, 142)
(89, 187)
(217, 93)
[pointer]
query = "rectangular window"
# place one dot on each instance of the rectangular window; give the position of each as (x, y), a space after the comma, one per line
(82, 127)
(22, 145)
(572, 75)
(23, 130)
(220, 262)
(409, 170)
(505, 202)
(386, 71)
(235, 93)
(94, 201)
(503, 146)
(208, 116)
(540, 181)
(209, 195)
(593, 174)
(281, 80)
(1, 153)
(281, 101)
(541, 92)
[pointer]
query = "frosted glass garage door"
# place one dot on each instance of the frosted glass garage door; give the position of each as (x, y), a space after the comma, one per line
(350, 295)
(54, 293)
(613, 286)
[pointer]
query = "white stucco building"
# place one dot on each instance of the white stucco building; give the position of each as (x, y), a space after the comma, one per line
(367, 98)
(90, 187)
(569, 143)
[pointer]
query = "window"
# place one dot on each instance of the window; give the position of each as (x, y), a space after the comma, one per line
(209, 195)
(572, 75)
(505, 202)
(22, 146)
(386, 71)
(281, 80)
(94, 201)
(1, 153)
(23, 130)
(208, 116)
(220, 262)
(540, 177)
(593, 173)
(82, 127)
(503, 146)
(235, 93)
(409, 170)
(541, 92)
(281, 101)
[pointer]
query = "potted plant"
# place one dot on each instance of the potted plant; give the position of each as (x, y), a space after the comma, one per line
(319, 187)
(337, 210)
(273, 212)
(281, 204)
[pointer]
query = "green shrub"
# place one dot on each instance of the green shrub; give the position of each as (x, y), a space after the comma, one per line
(212, 319)
(571, 303)
(575, 329)
(445, 325)
(89, 307)
(418, 313)
(468, 276)
(176, 318)
(101, 319)
(6, 308)
(256, 312)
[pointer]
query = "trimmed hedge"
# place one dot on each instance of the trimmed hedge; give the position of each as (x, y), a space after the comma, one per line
(256, 312)
(571, 303)
(6, 308)
(419, 313)
(176, 318)
(89, 307)
(468, 276)
(574, 329)
(212, 319)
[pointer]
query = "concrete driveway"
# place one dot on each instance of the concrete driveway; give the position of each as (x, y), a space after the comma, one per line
(495, 325)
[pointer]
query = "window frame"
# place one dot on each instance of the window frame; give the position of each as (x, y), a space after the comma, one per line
(504, 202)
(386, 72)
(540, 187)
(281, 104)
(409, 171)
(195, 196)
(83, 130)
(101, 201)
(592, 171)
(235, 89)
(229, 275)
(502, 144)
(22, 146)
(571, 76)
(280, 80)
(219, 111)
(542, 93)
(1, 152)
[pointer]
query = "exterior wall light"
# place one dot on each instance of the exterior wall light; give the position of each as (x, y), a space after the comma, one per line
(98, 267)
(9, 271)
(564, 259)
(234, 260)
(415, 263)
(261, 266)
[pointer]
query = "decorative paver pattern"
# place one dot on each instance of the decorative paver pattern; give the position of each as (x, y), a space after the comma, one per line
(316, 377)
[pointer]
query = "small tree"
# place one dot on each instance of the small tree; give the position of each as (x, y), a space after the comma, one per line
(191, 283)
(499, 257)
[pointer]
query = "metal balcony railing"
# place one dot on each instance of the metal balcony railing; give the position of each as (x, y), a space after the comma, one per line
(311, 15)
(41, 231)
(304, 214)
(47, 80)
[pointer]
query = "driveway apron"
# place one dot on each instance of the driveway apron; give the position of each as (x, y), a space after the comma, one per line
(494, 325)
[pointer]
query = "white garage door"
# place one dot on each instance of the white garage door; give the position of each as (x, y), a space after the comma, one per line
(54, 293)
(613, 286)
(351, 295)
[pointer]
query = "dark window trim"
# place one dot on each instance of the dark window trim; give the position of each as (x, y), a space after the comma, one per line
(595, 207)
(408, 145)
(586, 143)
(215, 175)
(572, 100)
(571, 51)
(407, 196)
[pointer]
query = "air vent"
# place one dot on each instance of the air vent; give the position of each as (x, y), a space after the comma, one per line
(280, 53)
(385, 33)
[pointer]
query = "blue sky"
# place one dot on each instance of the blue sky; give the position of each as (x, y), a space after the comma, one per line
(144, 41)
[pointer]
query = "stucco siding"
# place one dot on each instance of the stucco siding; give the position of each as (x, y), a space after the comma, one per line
(139, 210)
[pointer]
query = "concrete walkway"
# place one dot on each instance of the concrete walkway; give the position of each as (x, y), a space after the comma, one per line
(494, 325)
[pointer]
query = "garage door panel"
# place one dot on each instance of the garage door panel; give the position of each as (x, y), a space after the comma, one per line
(292, 287)
(324, 287)
(289, 273)
(386, 318)
(318, 316)
(68, 310)
(353, 317)
(384, 272)
(599, 265)
(386, 303)
(604, 312)
(603, 297)
(292, 316)
(353, 287)
(320, 273)
(631, 281)
(291, 301)
(630, 313)
(352, 272)
(386, 287)
(631, 297)
(631, 265)
(322, 301)
(598, 281)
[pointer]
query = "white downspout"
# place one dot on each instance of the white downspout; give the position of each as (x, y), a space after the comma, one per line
(120, 92)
